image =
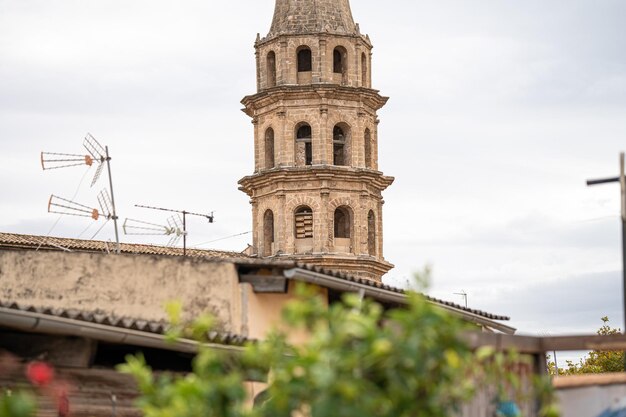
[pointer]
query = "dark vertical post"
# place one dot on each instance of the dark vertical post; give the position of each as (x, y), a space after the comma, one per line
(622, 181)
(117, 237)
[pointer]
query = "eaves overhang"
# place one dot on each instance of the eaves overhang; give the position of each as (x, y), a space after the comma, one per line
(382, 294)
(38, 322)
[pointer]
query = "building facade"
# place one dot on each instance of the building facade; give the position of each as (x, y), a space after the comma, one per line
(316, 191)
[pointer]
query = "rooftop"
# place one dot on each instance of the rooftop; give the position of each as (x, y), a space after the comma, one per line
(342, 281)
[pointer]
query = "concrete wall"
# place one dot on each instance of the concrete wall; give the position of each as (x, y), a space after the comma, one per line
(591, 395)
(135, 286)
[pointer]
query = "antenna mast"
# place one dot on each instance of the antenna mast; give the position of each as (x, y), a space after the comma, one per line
(210, 217)
(97, 154)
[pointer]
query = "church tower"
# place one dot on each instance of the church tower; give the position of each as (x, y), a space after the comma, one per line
(316, 191)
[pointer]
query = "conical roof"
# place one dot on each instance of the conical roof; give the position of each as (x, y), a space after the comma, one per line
(293, 17)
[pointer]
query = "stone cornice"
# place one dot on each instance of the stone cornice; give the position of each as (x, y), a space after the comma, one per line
(286, 93)
(317, 35)
(372, 178)
(342, 262)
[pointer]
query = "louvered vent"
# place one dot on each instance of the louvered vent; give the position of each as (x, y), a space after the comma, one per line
(304, 224)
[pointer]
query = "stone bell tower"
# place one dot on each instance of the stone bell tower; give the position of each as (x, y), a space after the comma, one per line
(316, 191)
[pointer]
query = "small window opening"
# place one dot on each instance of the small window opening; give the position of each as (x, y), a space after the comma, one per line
(340, 63)
(339, 145)
(368, 149)
(268, 233)
(304, 147)
(269, 149)
(337, 61)
(305, 61)
(271, 69)
(342, 223)
(371, 233)
(304, 223)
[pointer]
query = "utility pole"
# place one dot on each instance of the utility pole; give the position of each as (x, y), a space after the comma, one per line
(622, 180)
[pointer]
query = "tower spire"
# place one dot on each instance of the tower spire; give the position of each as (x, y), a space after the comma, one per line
(312, 16)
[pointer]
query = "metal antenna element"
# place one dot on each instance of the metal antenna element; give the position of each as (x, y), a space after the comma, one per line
(174, 229)
(71, 208)
(210, 217)
(98, 154)
(622, 181)
(51, 160)
(462, 294)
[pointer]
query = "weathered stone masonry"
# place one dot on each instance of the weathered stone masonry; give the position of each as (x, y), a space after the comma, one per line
(316, 191)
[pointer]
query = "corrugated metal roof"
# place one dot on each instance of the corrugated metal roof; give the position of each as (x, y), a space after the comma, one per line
(104, 319)
(11, 240)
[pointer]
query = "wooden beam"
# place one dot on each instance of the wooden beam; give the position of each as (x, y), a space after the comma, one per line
(531, 344)
(265, 284)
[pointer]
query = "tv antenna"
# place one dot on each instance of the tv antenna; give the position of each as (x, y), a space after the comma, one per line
(64, 206)
(174, 229)
(97, 154)
(464, 295)
(210, 217)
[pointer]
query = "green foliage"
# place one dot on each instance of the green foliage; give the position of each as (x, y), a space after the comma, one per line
(17, 404)
(596, 361)
(358, 360)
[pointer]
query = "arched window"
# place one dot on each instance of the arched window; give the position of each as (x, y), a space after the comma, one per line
(268, 233)
(269, 148)
(304, 147)
(341, 135)
(271, 69)
(305, 61)
(368, 149)
(340, 63)
(304, 222)
(343, 223)
(371, 233)
(364, 78)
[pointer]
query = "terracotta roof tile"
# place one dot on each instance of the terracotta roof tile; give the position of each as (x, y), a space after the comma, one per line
(128, 323)
(17, 241)
(9, 240)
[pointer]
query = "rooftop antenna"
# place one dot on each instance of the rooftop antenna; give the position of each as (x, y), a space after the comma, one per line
(174, 229)
(464, 295)
(64, 206)
(210, 217)
(96, 154)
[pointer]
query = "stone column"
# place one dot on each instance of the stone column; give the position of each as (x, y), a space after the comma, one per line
(257, 145)
(258, 69)
(379, 227)
(326, 241)
(280, 225)
(324, 78)
(256, 229)
(287, 150)
(284, 64)
(323, 137)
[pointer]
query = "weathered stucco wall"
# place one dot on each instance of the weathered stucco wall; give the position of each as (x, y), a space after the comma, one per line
(264, 313)
(135, 286)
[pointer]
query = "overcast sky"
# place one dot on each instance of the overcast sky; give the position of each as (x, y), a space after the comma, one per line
(499, 112)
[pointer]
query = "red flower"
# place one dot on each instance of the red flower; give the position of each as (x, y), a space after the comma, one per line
(39, 373)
